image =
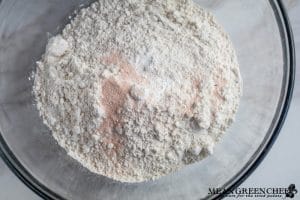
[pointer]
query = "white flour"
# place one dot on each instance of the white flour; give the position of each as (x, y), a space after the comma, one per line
(137, 89)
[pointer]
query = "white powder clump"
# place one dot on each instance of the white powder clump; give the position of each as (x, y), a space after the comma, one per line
(137, 89)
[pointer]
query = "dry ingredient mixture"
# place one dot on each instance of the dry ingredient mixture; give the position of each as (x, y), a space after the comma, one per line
(137, 89)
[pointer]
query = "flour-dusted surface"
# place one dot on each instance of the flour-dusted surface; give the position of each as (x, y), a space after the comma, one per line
(137, 89)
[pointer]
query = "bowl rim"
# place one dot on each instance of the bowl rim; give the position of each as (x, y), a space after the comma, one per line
(286, 32)
(289, 52)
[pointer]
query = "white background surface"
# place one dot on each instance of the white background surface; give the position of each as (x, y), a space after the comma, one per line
(280, 168)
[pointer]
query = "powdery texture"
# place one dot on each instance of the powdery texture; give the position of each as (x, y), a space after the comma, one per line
(137, 89)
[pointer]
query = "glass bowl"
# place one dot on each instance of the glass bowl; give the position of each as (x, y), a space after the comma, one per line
(263, 40)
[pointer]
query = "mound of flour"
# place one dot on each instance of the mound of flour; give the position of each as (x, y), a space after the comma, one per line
(137, 89)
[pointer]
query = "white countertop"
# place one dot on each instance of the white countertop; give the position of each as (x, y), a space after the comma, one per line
(280, 168)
